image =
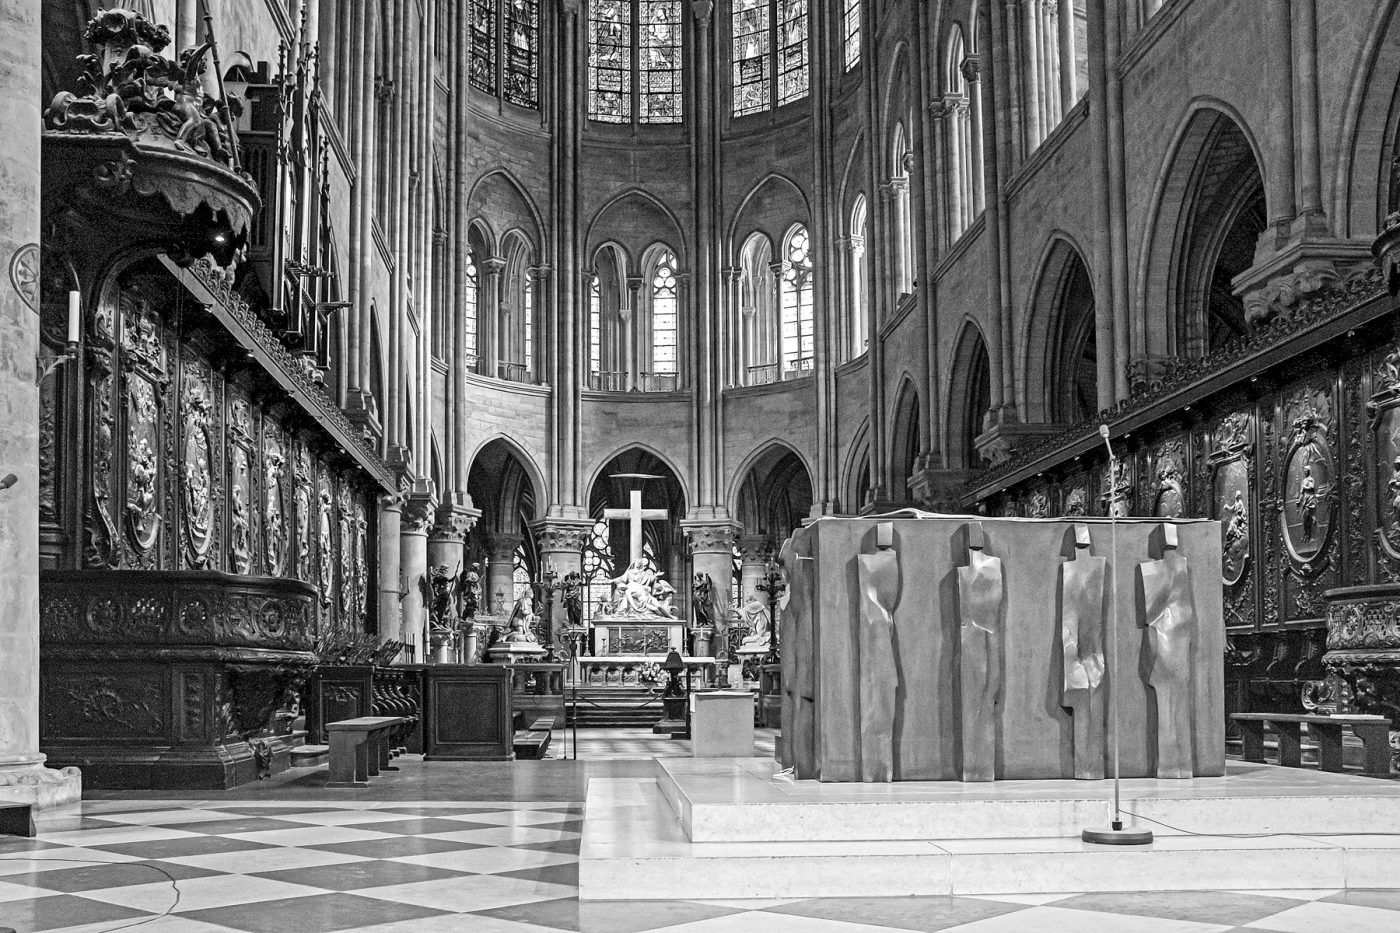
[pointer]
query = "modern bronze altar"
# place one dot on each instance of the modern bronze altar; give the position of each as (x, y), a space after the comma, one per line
(978, 642)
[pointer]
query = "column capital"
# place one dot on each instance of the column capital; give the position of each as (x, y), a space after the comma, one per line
(755, 549)
(500, 546)
(493, 266)
(572, 7)
(562, 535)
(453, 522)
(418, 513)
(702, 10)
(708, 537)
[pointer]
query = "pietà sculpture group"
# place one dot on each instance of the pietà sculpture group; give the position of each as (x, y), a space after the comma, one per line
(923, 647)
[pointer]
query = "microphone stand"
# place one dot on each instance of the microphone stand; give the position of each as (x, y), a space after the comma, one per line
(1115, 835)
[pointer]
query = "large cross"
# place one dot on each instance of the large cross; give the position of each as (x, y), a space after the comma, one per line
(634, 515)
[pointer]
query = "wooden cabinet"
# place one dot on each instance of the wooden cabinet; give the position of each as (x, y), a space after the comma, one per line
(467, 713)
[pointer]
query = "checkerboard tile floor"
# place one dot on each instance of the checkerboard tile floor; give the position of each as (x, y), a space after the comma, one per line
(492, 867)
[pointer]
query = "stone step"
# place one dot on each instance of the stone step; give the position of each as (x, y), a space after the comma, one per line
(310, 756)
(633, 847)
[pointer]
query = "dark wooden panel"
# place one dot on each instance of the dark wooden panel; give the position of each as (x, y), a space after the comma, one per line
(467, 712)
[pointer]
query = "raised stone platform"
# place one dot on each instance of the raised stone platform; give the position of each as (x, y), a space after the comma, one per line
(734, 828)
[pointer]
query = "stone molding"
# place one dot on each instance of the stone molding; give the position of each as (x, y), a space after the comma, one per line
(710, 537)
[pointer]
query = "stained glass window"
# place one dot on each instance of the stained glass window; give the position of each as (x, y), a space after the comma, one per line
(597, 567)
(769, 54)
(522, 64)
(659, 61)
(792, 50)
(752, 45)
(851, 24)
(482, 66)
(663, 315)
(595, 325)
(520, 575)
(796, 294)
(610, 61)
(469, 310)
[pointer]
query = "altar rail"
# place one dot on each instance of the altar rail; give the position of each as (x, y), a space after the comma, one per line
(627, 670)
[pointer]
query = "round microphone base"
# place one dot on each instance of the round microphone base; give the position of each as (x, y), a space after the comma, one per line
(1117, 836)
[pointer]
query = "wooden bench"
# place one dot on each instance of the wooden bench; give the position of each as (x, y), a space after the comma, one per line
(360, 749)
(1373, 731)
(532, 743)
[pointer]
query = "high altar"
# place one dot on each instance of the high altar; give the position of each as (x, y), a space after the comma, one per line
(933, 648)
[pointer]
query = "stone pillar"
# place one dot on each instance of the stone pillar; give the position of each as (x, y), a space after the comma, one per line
(630, 323)
(23, 776)
(500, 568)
(453, 522)
(754, 551)
(712, 553)
(390, 577)
(561, 549)
(417, 517)
(488, 327)
(1069, 60)
(1034, 108)
(186, 25)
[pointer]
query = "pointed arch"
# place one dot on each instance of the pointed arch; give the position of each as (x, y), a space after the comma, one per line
(505, 447)
(499, 195)
(1364, 188)
(775, 195)
(1059, 346)
(856, 480)
(1210, 194)
(607, 296)
(969, 397)
(636, 217)
(905, 441)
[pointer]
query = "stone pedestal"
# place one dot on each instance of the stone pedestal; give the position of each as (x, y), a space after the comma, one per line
(721, 724)
(23, 777)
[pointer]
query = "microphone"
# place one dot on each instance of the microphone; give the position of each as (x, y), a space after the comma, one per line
(9, 480)
(1103, 433)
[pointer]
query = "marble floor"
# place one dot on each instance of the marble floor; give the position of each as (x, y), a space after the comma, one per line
(493, 848)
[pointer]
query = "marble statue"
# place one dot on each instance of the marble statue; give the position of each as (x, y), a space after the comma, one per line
(1081, 636)
(638, 592)
(979, 603)
(753, 616)
(879, 595)
(1170, 616)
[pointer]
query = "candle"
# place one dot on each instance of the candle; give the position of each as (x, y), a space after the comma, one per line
(75, 307)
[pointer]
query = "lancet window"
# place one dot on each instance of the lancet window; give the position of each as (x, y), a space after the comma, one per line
(1055, 57)
(512, 25)
(769, 53)
(850, 31)
(635, 61)
(857, 278)
(470, 309)
(664, 316)
(795, 292)
(961, 111)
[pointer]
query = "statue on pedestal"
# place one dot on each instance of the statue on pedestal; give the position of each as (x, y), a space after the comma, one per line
(1081, 636)
(1171, 622)
(442, 611)
(879, 594)
(639, 592)
(471, 591)
(572, 589)
(980, 592)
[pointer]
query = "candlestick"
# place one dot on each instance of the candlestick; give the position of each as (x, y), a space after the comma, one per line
(75, 308)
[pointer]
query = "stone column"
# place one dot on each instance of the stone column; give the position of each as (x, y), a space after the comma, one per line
(754, 551)
(453, 522)
(1311, 217)
(972, 74)
(631, 323)
(1069, 67)
(1279, 170)
(390, 577)
(561, 548)
(1034, 110)
(488, 318)
(186, 25)
(500, 568)
(417, 517)
(23, 776)
(712, 552)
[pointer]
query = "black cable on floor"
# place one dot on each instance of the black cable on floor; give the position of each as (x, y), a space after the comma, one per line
(174, 885)
(1189, 832)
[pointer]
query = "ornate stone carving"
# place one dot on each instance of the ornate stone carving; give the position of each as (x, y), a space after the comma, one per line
(24, 274)
(1307, 499)
(705, 539)
(1076, 502)
(1118, 488)
(196, 471)
(554, 538)
(418, 511)
(1169, 469)
(274, 514)
(1039, 505)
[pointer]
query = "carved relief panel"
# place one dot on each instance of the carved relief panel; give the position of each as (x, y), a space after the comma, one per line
(1166, 473)
(101, 527)
(197, 465)
(240, 485)
(274, 506)
(144, 380)
(1230, 469)
(1306, 496)
(1384, 410)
